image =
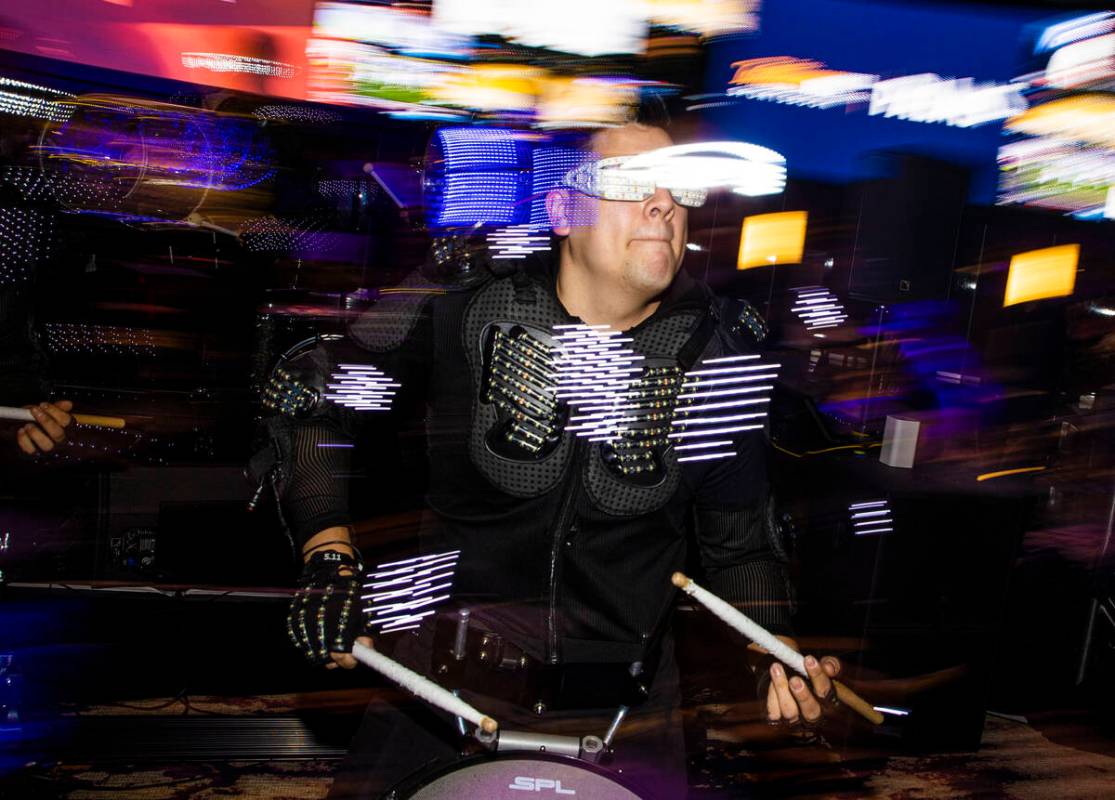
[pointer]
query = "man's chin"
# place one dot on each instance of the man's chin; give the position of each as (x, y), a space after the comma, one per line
(653, 277)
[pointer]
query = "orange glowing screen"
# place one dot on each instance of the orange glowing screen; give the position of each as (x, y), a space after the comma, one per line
(1038, 274)
(772, 239)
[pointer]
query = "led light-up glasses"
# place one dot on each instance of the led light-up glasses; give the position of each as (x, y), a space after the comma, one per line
(605, 178)
(686, 171)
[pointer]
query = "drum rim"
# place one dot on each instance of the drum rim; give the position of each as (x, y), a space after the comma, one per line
(424, 776)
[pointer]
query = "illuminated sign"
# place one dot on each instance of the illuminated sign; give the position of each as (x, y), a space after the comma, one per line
(959, 102)
(1087, 118)
(796, 81)
(1040, 274)
(1060, 175)
(772, 239)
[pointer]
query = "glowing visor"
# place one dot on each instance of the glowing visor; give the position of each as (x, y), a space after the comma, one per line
(687, 171)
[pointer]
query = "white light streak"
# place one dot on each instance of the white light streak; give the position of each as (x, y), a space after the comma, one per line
(898, 712)
(517, 241)
(693, 410)
(399, 594)
(230, 62)
(742, 167)
(362, 388)
(817, 308)
(870, 517)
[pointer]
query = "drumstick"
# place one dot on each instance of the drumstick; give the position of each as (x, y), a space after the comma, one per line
(766, 640)
(97, 421)
(423, 687)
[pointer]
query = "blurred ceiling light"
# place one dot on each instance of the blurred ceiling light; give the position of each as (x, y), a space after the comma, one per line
(586, 102)
(1058, 174)
(1082, 63)
(796, 81)
(1073, 30)
(1086, 118)
(961, 102)
(745, 168)
(397, 29)
(780, 70)
(1041, 274)
(490, 87)
(706, 17)
(772, 239)
(583, 27)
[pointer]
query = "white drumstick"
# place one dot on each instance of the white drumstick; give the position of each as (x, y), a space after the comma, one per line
(96, 420)
(765, 639)
(22, 414)
(423, 687)
(742, 623)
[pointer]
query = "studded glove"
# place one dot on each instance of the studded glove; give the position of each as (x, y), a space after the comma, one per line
(325, 613)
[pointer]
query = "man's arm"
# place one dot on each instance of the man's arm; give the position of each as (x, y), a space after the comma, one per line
(309, 460)
(746, 564)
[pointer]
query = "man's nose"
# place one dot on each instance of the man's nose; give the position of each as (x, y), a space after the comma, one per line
(660, 204)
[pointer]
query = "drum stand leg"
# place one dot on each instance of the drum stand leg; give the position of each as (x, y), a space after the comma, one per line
(1100, 563)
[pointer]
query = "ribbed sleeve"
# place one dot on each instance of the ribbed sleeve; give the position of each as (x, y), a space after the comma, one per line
(742, 567)
(317, 491)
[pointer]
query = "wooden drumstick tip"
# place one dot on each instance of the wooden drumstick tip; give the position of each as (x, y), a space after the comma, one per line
(679, 580)
(488, 725)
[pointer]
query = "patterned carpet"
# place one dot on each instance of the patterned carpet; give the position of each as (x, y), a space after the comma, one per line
(1016, 762)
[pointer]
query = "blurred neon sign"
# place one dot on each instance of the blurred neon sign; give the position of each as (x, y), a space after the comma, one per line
(928, 98)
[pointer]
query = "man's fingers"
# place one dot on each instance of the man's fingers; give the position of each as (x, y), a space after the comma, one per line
(831, 665)
(47, 423)
(39, 439)
(331, 665)
(344, 660)
(364, 640)
(65, 405)
(774, 711)
(810, 708)
(822, 684)
(786, 703)
(24, 441)
(57, 413)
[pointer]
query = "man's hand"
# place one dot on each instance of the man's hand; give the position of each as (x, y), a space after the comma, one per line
(793, 700)
(325, 615)
(48, 429)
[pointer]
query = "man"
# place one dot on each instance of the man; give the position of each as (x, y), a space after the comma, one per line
(566, 544)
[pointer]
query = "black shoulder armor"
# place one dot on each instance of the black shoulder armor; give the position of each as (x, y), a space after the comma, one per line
(744, 323)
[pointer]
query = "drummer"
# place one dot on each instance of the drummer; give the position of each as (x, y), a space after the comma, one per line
(566, 545)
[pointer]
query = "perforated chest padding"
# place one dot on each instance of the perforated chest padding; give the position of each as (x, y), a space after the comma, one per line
(498, 304)
(659, 342)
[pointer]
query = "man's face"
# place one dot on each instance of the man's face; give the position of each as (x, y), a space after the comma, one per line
(636, 247)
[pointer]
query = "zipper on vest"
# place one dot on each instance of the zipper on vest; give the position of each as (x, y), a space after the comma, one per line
(570, 487)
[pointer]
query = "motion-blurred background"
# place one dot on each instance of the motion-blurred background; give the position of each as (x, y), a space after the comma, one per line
(188, 190)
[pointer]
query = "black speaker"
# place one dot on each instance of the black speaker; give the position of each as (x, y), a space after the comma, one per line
(907, 225)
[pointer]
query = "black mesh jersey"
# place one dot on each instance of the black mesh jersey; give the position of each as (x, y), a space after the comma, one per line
(560, 550)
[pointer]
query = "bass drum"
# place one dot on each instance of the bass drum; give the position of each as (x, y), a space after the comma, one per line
(516, 776)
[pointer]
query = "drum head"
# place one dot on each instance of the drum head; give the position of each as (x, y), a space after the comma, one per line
(518, 776)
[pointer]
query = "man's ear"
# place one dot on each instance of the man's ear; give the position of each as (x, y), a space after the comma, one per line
(559, 209)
